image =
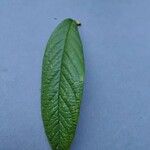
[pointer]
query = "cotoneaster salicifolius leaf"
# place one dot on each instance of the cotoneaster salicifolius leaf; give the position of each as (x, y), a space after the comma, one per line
(62, 84)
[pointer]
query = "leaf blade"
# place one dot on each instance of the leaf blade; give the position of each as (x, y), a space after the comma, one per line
(62, 84)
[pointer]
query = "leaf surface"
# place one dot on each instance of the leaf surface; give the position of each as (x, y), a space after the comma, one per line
(62, 84)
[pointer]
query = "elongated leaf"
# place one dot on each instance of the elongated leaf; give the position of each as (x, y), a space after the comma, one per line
(62, 84)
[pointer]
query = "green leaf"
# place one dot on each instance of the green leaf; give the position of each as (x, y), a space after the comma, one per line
(62, 84)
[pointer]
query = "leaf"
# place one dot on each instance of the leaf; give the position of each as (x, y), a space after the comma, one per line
(62, 84)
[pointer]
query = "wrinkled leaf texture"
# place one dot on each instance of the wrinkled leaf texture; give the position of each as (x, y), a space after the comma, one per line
(62, 84)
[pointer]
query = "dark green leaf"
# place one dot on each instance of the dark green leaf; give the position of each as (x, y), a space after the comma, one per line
(62, 84)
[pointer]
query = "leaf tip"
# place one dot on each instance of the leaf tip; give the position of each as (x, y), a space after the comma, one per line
(78, 22)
